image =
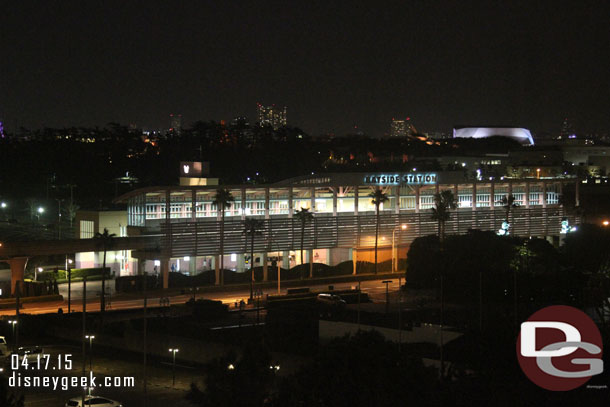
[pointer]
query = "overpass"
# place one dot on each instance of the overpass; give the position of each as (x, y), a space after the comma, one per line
(17, 254)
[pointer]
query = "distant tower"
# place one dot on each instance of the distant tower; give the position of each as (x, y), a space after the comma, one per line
(398, 128)
(567, 129)
(401, 128)
(2, 130)
(272, 116)
(175, 123)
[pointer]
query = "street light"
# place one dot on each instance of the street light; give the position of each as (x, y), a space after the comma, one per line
(91, 338)
(606, 223)
(394, 254)
(39, 212)
(36, 271)
(13, 322)
(3, 205)
(69, 277)
(173, 351)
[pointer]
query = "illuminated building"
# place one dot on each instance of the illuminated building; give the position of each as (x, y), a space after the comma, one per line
(271, 116)
(521, 135)
(175, 123)
(398, 129)
(343, 228)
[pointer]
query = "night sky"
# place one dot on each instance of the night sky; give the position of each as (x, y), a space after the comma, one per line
(334, 64)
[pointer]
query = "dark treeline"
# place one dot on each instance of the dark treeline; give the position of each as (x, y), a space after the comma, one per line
(97, 164)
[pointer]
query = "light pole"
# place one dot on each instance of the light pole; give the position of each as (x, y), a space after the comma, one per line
(387, 295)
(3, 205)
(173, 351)
(91, 338)
(69, 277)
(13, 322)
(394, 254)
(36, 271)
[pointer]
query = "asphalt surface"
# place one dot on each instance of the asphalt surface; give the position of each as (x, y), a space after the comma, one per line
(160, 387)
(374, 288)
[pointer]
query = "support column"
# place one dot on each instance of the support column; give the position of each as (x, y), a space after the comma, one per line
(577, 193)
(267, 203)
(397, 198)
(265, 267)
(492, 194)
(192, 265)
(241, 262)
(243, 203)
(416, 199)
(18, 265)
(216, 261)
(355, 259)
(290, 202)
(334, 189)
(356, 200)
(313, 199)
(310, 261)
(165, 272)
(193, 205)
(544, 200)
(474, 196)
(527, 195)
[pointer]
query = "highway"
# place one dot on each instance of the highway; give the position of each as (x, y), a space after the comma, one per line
(374, 288)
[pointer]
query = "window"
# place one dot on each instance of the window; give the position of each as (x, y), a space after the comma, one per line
(426, 202)
(86, 229)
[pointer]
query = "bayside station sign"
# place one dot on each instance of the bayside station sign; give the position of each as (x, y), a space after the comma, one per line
(397, 179)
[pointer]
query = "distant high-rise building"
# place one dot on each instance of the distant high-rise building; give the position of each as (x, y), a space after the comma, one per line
(567, 129)
(401, 128)
(175, 123)
(271, 116)
(398, 128)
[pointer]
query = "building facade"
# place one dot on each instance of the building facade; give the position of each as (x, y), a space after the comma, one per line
(344, 221)
(273, 116)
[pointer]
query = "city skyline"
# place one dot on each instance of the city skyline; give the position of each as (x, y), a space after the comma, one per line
(334, 67)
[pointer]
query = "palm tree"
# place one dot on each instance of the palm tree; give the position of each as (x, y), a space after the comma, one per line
(508, 203)
(222, 199)
(252, 228)
(105, 241)
(443, 202)
(303, 216)
(378, 198)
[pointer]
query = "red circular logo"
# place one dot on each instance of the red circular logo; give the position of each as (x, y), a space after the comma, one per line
(559, 348)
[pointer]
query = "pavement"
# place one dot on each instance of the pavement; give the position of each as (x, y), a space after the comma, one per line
(160, 387)
(374, 288)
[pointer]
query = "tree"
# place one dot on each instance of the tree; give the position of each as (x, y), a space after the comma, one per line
(252, 228)
(222, 199)
(508, 203)
(105, 241)
(8, 398)
(70, 211)
(303, 216)
(443, 202)
(378, 198)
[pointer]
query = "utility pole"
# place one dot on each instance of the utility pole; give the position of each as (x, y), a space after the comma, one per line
(84, 331)
(17, 305)
(145, 347)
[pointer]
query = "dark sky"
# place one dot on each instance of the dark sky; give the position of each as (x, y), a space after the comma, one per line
(334, 64)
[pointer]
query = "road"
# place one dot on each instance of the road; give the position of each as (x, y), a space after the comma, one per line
(374, 288)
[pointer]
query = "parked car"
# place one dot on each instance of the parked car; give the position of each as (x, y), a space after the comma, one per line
(330, 305)
(331, 299)
(96, 401)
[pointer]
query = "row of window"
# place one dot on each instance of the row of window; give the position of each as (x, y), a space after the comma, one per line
(325, 205)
